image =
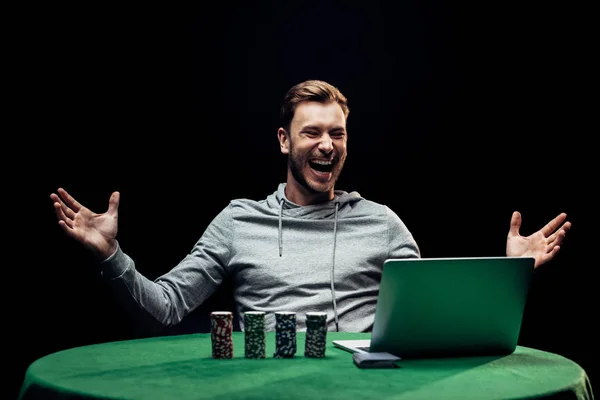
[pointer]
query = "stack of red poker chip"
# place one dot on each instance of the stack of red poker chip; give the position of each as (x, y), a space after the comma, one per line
(221, 328)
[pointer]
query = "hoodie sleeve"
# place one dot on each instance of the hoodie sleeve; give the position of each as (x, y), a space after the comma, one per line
(166, 300)
(401, 242)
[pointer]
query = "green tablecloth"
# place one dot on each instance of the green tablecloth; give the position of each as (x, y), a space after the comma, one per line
(181, 367)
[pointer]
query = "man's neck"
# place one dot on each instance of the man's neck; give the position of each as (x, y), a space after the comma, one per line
(298, 194)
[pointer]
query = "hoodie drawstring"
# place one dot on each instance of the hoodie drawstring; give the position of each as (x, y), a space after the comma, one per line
(335, 315)
(337, 206)
(280, 231)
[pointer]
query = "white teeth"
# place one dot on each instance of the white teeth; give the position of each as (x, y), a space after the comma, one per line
(322, 162)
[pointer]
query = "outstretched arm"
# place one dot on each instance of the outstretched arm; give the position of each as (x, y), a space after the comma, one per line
(167, 299)
(96, 232)
(541, 245)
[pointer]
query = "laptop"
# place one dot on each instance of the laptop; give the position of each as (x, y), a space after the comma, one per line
(448, 307)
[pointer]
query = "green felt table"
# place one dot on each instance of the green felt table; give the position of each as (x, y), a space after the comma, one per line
(182, 367)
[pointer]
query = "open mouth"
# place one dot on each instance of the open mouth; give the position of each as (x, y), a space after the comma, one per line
(321, 165)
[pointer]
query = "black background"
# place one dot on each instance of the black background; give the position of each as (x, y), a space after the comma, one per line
(461, 113)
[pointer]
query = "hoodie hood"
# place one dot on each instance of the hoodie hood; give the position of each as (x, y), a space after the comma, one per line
(277, 200)
(341, 203)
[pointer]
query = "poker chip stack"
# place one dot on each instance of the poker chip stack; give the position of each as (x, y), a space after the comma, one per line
(255, 339)
(285, 334)
(316, 334)
(221, 328)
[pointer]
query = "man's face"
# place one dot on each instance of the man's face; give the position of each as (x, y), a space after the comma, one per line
(317, 146)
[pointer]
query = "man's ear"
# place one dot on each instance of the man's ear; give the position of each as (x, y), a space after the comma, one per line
(283, 138)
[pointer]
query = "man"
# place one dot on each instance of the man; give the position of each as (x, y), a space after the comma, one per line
(306, 247)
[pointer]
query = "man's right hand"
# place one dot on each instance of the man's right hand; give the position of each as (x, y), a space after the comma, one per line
(97, 232)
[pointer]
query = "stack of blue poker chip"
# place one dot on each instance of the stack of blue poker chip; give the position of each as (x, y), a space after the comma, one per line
(316, 334)
(285, 334)
(254, 334)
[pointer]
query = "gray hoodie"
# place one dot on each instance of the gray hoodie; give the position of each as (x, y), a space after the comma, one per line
(282, 257)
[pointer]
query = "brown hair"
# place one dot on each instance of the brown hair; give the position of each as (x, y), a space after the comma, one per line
(311, 90)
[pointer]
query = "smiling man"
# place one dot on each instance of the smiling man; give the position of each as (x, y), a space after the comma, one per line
(315, 140)
(307, 247)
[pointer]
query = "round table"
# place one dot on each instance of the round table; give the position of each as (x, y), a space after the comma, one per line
(181, 367)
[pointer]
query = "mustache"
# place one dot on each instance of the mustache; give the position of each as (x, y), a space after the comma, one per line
(335, 157)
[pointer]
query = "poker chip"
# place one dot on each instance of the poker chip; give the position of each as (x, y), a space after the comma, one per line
(221, 328)
(285, 334)
(255, 338)
(316, 334)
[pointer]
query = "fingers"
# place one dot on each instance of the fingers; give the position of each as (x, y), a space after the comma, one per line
(66, 228)
(65, 207)
(67, 211)
(69, 200)
(62, 210)
(553, 225)
(60, 214)
(546, 257)
(515, 224)
(557, 237)
(552, 253)
(113, 202)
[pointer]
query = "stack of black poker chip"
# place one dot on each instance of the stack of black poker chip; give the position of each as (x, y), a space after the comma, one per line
(316, 334)
(221, 329)
(254, 334)
(285, 334)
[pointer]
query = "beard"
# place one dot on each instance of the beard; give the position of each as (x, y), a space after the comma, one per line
(296, 163)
